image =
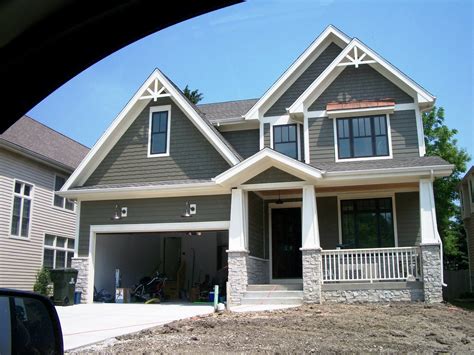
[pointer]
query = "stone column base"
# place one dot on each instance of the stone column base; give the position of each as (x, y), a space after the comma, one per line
(238, 277)
(81, 264)
(311, 275)
(431, 268)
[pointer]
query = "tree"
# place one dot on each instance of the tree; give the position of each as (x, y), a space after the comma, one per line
(440, 140)
(194, 96)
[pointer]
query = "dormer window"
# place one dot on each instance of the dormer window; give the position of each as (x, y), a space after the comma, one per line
(285, 139)
(362, 137)
(159, 131)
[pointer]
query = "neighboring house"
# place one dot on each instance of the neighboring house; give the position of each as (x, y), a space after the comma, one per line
(466, 189)
(36, 224)
(320, 189)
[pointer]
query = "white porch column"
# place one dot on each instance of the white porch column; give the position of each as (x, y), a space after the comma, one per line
(310, 227)
(431, 246)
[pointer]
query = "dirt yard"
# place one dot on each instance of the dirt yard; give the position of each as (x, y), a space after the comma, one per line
(318, 328)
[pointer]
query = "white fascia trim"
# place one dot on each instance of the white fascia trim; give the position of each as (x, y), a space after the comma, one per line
(361, 111)
(436, 171)
(160, 227)
(154, 109)
(270, 157)
(253, 112)
(298, 105)
(397, 107)
(113, 133)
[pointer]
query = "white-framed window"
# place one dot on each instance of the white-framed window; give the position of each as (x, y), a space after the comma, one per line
(285, 139)
(59, 201)
(58, 251)
(362, 137)
(159, 131)
(21, 212)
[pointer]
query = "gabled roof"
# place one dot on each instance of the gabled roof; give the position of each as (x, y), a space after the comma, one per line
(34, 137)
(331, 33)
(357, 53)
(156, 85)
(225, 111)
(263, 160)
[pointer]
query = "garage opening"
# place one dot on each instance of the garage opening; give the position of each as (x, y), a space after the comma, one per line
(191, 262)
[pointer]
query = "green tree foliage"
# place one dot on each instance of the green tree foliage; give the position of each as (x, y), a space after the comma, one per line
(194, 96)
(42, 281)
(440, 141)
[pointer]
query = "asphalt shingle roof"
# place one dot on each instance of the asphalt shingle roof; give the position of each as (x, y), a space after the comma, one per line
(221, 111)
(142, 184)
(36, 137)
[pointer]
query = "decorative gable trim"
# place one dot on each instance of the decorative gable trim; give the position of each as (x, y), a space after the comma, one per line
(263, 160)
(157, 85)
(357, 53)
(330, 31)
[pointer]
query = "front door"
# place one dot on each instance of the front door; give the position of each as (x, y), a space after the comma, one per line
(286, 243)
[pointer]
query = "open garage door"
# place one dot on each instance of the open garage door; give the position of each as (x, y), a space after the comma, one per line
(192, 262)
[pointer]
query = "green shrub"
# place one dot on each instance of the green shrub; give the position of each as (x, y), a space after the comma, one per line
(42, 282)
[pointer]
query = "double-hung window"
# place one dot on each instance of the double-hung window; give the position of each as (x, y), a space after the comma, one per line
(285, 140)
(58, 200)
(58, 251)
(362, 137)
(21, 213)
(159, 130)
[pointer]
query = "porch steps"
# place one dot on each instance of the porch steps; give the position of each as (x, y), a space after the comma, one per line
(291, 294)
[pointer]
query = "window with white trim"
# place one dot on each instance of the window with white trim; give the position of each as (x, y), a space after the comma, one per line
(58, 251)
(59, 201)
(159, 131)
(285, 139)
(362, 137)
(21, 213)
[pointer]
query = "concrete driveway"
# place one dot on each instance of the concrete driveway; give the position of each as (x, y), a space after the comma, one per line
(86, 324)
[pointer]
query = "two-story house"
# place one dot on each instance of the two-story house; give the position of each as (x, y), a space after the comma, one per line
(466, 189)
(319, 191)
(37, 226)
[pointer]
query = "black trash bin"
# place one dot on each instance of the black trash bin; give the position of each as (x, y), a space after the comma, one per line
(64, 281)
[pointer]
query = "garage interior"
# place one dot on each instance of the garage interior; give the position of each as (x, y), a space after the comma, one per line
(190, 261)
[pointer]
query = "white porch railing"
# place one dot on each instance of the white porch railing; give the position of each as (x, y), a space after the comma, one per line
(384, 264)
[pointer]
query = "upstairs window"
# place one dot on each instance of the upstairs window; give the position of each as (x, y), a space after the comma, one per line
(59, 201)
(285, 140)
(21, 209)
(362, 137)
(159, 131)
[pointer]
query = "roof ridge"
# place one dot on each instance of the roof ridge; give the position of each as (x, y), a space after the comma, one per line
(223, 102)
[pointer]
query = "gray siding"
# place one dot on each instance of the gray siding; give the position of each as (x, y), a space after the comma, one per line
(321, 140)
(246, 143)
(152, 210)
(304, 80)
(408, 218)
(266, 135)
(256, 222)
(272, 175)
(328, 222)
(363, 83)
(404, 134)
(191, 155)
(21, 259)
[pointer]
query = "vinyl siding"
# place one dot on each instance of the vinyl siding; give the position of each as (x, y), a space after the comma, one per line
(272, 175)
(21, 259)
(191, 155)
(246, 142)
(408, 218)
(328, 222)
(153, 210)
(256, 223)
(404, 134)
(304, 80)
(321, 140)
(266, 135)
(363, 83)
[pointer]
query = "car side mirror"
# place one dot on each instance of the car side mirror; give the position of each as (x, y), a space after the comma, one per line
(29, 324)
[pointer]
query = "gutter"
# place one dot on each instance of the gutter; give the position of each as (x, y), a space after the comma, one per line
(435, 170)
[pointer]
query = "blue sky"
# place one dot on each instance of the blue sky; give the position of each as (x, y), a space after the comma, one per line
(238, 52)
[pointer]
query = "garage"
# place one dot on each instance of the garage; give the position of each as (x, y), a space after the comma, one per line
(191, 261)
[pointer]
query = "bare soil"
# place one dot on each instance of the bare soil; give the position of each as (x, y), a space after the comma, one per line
(413, 327)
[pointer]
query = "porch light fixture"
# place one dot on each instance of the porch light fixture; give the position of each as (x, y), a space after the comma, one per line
(187, 211)
(116, 216)
(279, 201)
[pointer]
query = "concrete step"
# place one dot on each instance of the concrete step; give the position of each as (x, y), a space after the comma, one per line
(275, 287)
(273, 294)
(277, 300)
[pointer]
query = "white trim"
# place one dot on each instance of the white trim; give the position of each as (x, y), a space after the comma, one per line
(437, 170)
(324, 113)
(273, 186)
(30, 217)
(153, 109)
(307, 157)
(363, 196)
(271, 206)
(261, 135)
(126, 117)
(389, 138)
(298, 138)
(55, 248)
(360, 111)
(330, 31)
(419, 131)
(77, 230)
(332, 71)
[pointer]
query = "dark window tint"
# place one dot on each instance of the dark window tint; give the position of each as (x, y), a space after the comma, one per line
(159, 129)
(285, 140)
